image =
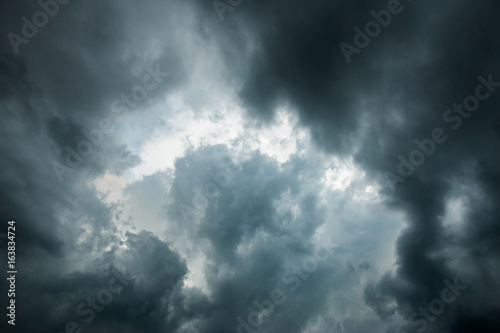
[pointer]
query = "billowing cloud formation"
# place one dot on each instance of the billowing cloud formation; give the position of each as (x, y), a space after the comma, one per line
(282, 183)
(397, 90)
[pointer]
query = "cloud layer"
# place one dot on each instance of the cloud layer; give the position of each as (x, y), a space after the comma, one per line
(263, 146)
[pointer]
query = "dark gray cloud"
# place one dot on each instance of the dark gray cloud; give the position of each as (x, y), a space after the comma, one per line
(133, 286)
(242, 242)
(394, 92)
(62, 82)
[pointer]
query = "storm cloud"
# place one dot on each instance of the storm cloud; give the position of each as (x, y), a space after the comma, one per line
(228, 166)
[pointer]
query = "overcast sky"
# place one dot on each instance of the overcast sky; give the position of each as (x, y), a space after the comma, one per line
(251, 166)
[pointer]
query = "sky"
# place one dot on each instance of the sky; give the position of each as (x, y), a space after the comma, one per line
(250, 166)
